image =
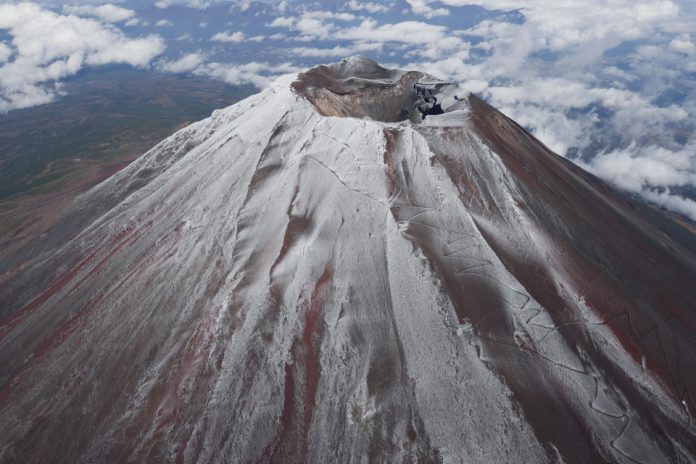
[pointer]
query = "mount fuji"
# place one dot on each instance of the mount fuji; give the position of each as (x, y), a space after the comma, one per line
(357, 264)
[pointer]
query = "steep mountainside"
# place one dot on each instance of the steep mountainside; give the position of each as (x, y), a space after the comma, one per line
(355, 265)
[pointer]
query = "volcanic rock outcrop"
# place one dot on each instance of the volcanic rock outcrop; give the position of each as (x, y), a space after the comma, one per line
(355, 265)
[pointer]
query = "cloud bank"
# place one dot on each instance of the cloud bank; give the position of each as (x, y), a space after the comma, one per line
(107, 12)
(45, 47)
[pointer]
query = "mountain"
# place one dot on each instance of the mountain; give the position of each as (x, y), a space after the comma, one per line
(355, 265)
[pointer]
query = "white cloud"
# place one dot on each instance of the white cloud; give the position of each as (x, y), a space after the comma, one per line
(309, 26)
(410, 32)
(672, 202)
(423, 8)
(164, 23)
(652, 172)
(416, 37)
(557, 25)
(683, 44)
(282, 6)
(244, 5)
(107, 12)
(322, 52)
(370, 7)
(421, 38)
(236, 37)
(227, 37)
(637, 168)
(196, 4)
(257, 74)
(186, 63)
(49, 47)
(5, 52)
(283, 22)
(336, 51)
(329, 15)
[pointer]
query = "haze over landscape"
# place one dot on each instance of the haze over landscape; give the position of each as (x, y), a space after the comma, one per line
(468, 238)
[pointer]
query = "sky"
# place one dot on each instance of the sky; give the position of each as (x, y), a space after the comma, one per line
(610, 84)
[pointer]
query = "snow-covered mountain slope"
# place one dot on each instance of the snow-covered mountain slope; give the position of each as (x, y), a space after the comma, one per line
(318, 274)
